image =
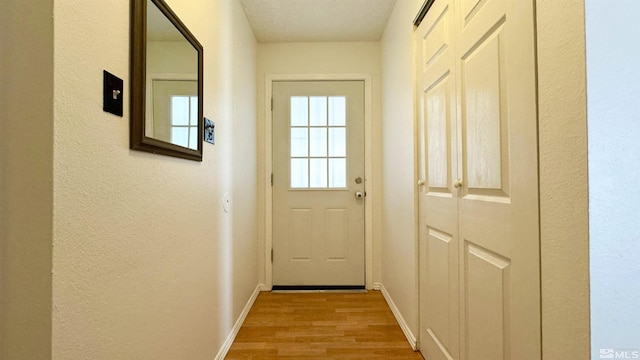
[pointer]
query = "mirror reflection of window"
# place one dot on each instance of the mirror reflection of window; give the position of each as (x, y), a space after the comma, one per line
(174, 115)
(184, 121)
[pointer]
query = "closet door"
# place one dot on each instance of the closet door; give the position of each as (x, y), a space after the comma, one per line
(479, 237)
(498, 180)
(438, 216)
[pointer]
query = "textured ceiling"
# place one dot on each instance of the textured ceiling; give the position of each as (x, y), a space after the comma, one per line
(317, 20)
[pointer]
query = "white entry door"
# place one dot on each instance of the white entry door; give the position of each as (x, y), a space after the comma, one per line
(479, 237)
(318, 183)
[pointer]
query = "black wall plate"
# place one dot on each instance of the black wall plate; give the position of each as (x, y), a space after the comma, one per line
(112, 94)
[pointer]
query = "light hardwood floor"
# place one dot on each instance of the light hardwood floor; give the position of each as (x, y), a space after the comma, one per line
(321, 326)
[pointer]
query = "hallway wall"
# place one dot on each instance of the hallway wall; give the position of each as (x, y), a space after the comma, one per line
(26, 178)
(613, 84)
(398, 240)
(564, 197)
(146, 265)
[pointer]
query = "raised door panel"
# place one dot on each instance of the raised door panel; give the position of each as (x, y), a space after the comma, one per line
(442, 295)
(437, 38)
(484, 120)
(487, 289)
(336, 229)
(438, 135)
(300, 235)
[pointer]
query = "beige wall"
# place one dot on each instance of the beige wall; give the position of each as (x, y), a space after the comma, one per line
(171, 57)
(398, 240)
(327, 59)
(564, 218)
(26, 178)
(146, 265)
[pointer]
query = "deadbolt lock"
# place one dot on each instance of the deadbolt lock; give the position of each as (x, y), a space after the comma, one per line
(358, 180)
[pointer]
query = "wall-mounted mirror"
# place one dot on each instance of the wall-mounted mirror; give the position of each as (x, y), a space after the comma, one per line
(166, 83)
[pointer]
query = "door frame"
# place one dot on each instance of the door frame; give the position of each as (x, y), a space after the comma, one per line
(368, 166)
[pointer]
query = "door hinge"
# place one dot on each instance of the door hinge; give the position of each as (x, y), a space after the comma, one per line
(271, 179)
(271, 104)
(272, 255)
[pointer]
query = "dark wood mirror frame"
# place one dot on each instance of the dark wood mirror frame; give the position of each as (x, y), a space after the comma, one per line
(138, 139)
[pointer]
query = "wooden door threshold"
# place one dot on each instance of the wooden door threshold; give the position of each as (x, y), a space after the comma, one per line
(318, 288)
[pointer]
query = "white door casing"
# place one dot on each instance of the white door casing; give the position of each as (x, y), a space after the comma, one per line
(318, 167)
(480, 250)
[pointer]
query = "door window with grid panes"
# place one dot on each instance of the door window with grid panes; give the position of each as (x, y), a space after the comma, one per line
(318, 141)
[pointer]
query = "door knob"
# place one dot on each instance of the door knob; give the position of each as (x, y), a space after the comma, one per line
(457, 184)
(420, 182)
(359, 194)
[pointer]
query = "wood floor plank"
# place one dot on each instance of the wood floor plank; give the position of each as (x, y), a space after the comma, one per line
(332, 326)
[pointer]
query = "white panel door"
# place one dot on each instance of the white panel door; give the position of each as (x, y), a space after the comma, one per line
(479, 238)
(318, 183)
(498, 209)
(438, 244)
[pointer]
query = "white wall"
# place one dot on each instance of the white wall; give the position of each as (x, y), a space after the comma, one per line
(26, 175)
(562, 136)
(613, 85)
(146, 265)
(321, 58)
(398, 240)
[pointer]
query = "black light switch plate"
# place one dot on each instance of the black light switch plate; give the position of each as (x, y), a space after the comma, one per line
(112, 94)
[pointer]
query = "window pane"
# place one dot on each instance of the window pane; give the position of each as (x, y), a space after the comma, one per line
(337, 173)
(318, 141)
(180, 110)
(193, 138)
(299, 173)
(338, 141)
(193, 118)
(337, 110)
(299, 142)
(318, 173)
(318, 110)
(299, 111)
(180, 136)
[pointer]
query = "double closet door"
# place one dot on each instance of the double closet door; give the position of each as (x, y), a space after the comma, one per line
(478, 187)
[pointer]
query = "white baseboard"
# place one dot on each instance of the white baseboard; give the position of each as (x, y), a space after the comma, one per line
(394, 309)
(236, 327)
